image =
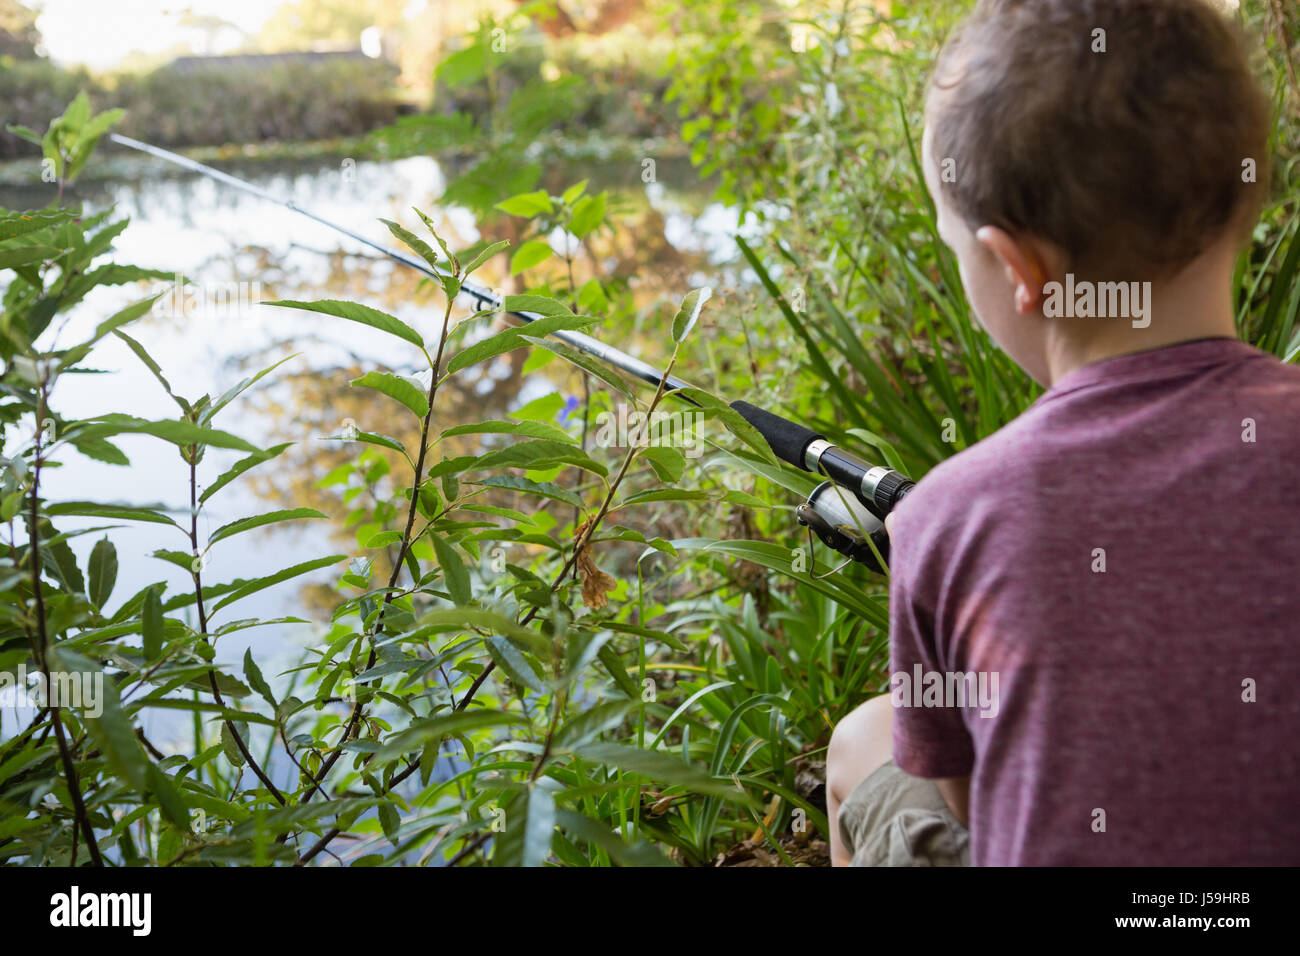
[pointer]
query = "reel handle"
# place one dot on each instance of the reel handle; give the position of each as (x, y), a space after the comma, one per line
(878, 488)
(845, 525)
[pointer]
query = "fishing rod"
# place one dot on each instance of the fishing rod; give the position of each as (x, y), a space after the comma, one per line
(847, 511)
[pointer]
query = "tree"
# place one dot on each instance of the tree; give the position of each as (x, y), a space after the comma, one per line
(19, 36)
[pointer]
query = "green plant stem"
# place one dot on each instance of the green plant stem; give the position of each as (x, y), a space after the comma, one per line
(41, 647)
(197, 575)
(569, 564)
(357, 709)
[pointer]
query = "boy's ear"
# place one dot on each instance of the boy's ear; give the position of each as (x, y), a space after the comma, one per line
(1025, 263)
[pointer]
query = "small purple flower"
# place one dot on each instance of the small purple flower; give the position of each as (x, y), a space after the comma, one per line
(571, 405)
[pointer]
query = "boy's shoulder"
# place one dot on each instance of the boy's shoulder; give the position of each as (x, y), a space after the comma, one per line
(980, 471)
(1198, 406)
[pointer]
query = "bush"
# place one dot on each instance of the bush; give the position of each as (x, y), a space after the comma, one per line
(214, 105)
(31, 91)
(211, 105)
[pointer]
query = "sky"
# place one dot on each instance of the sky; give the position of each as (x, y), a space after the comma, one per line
(101, 33)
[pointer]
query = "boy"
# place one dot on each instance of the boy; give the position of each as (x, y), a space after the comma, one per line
(1118, 566)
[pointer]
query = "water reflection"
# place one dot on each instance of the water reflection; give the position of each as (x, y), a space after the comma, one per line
(218, 236)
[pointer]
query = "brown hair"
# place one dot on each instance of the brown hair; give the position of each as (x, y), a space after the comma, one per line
(1130, 159)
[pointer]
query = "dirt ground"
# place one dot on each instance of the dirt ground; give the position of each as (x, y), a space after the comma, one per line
(807, 848)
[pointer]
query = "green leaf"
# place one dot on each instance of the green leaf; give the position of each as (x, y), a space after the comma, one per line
(599, 834)
(168, 796)
(99, 449)
(497, 427)
(539, 305)
(454, 573)
(436, 728)
(126, 316)
(539, 827)
(22, 255)
(887, 450)
(710, 406)
(113, 733)
(588, 213)
(777, 558)
(543, 489)
(15, 224)
(396, 387)
(389, 821)
(257, 521)
(78, 111)
(592, 298)
(176, 432)
(512, 338)
(511, 660)
(26, 133)
(229, 746)
(664, 494)
(422, 248)
(355, 312)
(581, 359)
(253, 674)
(590, 723)
(463, 66)
(93, 509)
(151, 624)
(573, 192)
(689, 313)
(657, 765)
(538, 454)
(240, 467)
(527, 205)
(103, 571)
(99, 124)
(374, 438)
(383, 539)
(148, 361)
(614, 664)
(531, 253)
(455, 264)
(487, 253)
(543, 409)
(669, 464)
(182, 559)
(230, 394)
(259, 584)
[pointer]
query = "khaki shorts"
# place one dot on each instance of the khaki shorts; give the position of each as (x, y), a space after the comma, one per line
(894, 819)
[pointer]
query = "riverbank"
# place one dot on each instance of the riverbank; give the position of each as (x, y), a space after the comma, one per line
(119, 163)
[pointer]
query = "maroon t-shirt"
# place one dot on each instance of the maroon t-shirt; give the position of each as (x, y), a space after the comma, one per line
(1121, 564)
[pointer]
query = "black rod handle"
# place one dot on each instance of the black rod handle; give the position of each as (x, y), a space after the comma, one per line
(788, 440)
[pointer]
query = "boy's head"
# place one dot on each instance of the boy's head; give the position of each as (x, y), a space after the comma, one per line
(1112, 140)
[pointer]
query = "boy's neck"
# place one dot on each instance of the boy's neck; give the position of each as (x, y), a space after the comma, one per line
(1195, 304)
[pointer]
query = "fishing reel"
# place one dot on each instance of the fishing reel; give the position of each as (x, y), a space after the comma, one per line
(848, 511)
(844, 524)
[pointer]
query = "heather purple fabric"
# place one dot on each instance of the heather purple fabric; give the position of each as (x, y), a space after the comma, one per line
(1120, 690)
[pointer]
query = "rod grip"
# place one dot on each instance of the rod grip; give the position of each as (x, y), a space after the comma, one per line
(787, 439)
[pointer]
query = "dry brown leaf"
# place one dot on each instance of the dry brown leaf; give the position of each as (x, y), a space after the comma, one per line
(595, 583)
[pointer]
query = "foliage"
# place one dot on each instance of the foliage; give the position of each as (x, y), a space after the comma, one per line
(494, 694)
(212, 105)
(31, 91)
(295, 99)
(860, 287)
(506, 105)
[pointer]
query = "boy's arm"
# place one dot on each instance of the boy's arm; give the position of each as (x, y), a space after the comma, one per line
(956, 793)
(928, 742)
